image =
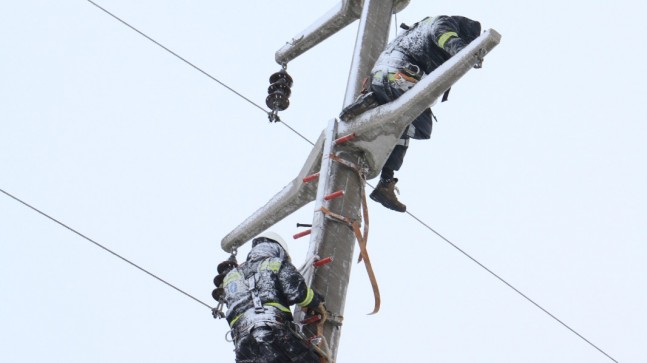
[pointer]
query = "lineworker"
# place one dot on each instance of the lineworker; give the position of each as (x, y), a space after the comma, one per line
(258, 294)
(411, 55)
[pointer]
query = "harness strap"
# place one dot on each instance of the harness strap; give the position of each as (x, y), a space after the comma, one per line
(251, 284)
(272, 304)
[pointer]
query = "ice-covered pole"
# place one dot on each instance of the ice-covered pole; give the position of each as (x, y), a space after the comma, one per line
(337, 18)
(329, 237)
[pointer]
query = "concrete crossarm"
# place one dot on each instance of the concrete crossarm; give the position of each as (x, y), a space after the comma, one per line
(378, 130)
(337, 18)
(291, 198)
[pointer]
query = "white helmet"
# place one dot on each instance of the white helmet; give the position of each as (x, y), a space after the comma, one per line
(276, 238)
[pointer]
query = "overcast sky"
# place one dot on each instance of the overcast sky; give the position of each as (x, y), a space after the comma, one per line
(537, 168)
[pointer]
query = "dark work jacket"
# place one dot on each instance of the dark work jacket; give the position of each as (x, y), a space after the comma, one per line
(429, 43)
(278, 283)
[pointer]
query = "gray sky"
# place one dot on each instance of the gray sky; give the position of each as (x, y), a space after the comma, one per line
(536, 168)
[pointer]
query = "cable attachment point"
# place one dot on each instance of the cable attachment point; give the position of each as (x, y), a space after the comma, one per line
(479, 56)
(218, 293)
(278, 93)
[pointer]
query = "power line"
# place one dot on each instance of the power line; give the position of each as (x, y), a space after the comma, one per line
(194, 66)
(508, 284)
(104, 248)
(177, 56)
(410, 214)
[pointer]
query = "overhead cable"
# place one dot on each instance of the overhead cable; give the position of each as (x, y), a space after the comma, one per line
(413, 216)
(104, 248)
(194, 66)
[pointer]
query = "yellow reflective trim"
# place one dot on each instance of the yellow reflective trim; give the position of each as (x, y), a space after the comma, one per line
(231, 325)
(278, 306)
(270, 265)
(445, 37)
(309, 296)
(232, 276)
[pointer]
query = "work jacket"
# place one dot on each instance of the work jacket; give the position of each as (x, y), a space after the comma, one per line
(428, 44)
(278, 285)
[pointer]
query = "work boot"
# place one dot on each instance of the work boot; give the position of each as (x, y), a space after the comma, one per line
(384, 194)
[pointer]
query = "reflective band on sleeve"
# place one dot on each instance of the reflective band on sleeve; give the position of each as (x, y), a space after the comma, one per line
(278, 306)
(309, 296)
(445, 37)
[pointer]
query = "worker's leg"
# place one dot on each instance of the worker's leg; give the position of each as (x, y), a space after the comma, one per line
(384, 192)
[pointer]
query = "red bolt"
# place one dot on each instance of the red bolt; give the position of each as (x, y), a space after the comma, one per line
(301, 234)
(345, 138)
(334, 195)
(322, 261)
(310, 178)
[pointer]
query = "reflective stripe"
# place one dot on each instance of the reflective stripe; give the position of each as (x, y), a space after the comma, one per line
(278, 306)
(270, 265)
(234, 275)
(231, 325)
(309, 296)
(403, 142)
(272, 304)
(445, 37)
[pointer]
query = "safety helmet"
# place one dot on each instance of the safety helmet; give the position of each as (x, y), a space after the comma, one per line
(273, 236)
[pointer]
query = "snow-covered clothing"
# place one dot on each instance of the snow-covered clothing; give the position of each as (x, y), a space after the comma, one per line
(414, 53)
(261, 329)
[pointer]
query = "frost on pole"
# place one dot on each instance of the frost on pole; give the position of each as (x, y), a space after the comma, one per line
(292, 197)
(378, 130)
(337, 18)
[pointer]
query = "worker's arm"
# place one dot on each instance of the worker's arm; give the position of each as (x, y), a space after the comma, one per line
(446, 34)
(295, 288)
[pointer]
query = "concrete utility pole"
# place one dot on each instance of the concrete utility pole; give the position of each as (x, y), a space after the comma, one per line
(376, 133)
(330, 237)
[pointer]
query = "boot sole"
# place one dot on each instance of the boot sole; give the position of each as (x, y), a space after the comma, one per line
(387, 205)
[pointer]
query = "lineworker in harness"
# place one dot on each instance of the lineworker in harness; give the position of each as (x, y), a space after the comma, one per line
(410, 56)
(258, 294)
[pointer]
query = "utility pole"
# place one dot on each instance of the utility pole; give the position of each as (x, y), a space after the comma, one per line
(331, 238)
(337, 190)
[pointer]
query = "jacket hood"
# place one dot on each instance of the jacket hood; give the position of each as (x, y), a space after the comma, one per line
(470, 29)
(265, 250)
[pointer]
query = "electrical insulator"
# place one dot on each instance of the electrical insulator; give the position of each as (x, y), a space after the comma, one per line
(218, 294)
(218, 280)
(278, 93)
(225, 266)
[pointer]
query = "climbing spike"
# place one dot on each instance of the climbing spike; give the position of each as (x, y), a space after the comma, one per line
(310, 178)
(343, 139)
(334, 195)
(323, 261)
(301, 234)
